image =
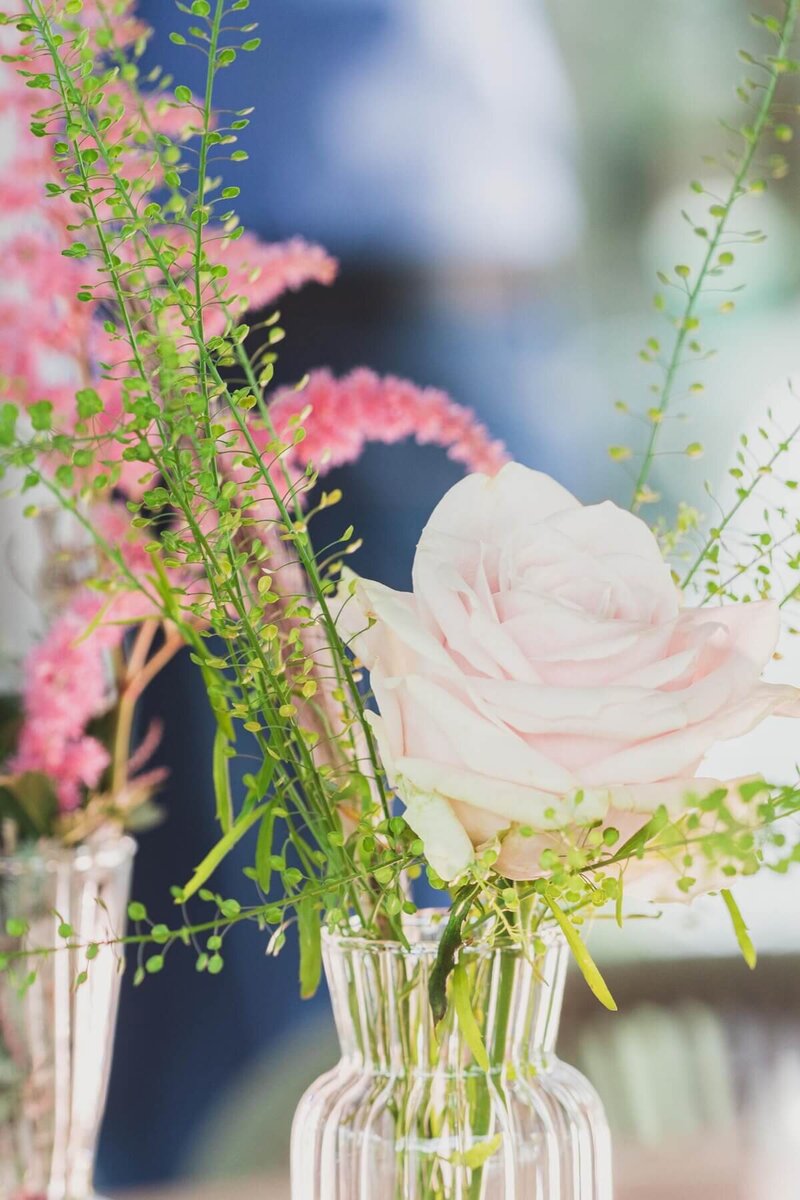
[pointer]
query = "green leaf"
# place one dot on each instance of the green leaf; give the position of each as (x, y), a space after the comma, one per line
(740, 929)
(222, 780)
(41, 414)
(223, 847)
(183, 94)
(449, 943)
(581, 955)
(308, 924)
(8, 424)
(639, 840)
(264, 850)
(466, 1017)
(29, 801)
(476, 1156)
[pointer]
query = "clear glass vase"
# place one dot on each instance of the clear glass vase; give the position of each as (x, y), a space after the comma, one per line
(409, 1114)
(56, 1033)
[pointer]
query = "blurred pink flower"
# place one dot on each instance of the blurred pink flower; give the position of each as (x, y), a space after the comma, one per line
(67, 685)
(68, 680)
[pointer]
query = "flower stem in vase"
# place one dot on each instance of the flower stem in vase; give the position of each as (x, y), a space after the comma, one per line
(496, 1076)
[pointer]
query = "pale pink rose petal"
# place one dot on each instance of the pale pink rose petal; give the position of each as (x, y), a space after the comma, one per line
(476, 509)
(470, 738)
(393, 611)
(675, 752)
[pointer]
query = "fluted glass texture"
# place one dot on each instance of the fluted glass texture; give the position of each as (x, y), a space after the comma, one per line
(56, 1037)
(409, 1114)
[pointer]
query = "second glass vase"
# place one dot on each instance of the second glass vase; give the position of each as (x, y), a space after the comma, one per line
(57, 1013)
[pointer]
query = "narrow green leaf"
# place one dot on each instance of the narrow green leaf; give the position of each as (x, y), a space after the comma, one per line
(310, 947)
(639, 840)
(219, 851)
(466, 1017)
(264, 850)
(581, 955)
(8, 421)
(222, 780)
(740, 929)
(449, 943)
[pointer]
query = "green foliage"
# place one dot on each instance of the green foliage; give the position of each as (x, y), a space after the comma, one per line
(740, 929)
(308, 924)
(759, 93)
(466, 1018)
(581, 955)
(29, 801)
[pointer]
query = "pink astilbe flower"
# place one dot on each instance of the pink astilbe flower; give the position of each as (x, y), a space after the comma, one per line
(68, 682)
(260, 272)
(348, 413)
(82, 767)
(67, 685)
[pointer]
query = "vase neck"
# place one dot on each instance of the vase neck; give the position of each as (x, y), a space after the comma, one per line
(379, 992)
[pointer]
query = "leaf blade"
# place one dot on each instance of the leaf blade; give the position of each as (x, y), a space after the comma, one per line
(466, 1017)
(222, 780)
(588, 967)
(216, 854)
(308, 925)
(746, 946)
(263, 863)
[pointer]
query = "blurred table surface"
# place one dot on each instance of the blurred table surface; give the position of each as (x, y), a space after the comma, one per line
(703, 1170)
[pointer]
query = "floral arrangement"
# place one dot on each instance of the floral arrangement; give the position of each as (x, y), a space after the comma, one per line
(540, 703)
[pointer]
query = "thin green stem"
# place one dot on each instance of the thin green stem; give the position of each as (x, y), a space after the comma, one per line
(686, 320)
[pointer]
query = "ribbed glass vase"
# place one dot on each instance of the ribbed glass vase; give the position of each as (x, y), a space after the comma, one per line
(409, 1114)
(56, 1035)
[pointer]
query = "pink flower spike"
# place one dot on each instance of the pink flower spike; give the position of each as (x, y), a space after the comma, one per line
(345, 414)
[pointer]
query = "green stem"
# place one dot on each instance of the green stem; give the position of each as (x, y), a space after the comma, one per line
(686, 320)
(494, 1081)
(742, 498)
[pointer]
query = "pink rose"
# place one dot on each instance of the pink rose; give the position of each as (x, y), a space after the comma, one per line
(543, 672)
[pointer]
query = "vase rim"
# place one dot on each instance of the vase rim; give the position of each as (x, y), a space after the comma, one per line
(427, 924)
(109, 850)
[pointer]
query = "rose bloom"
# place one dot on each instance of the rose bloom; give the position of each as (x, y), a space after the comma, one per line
(542, 675)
